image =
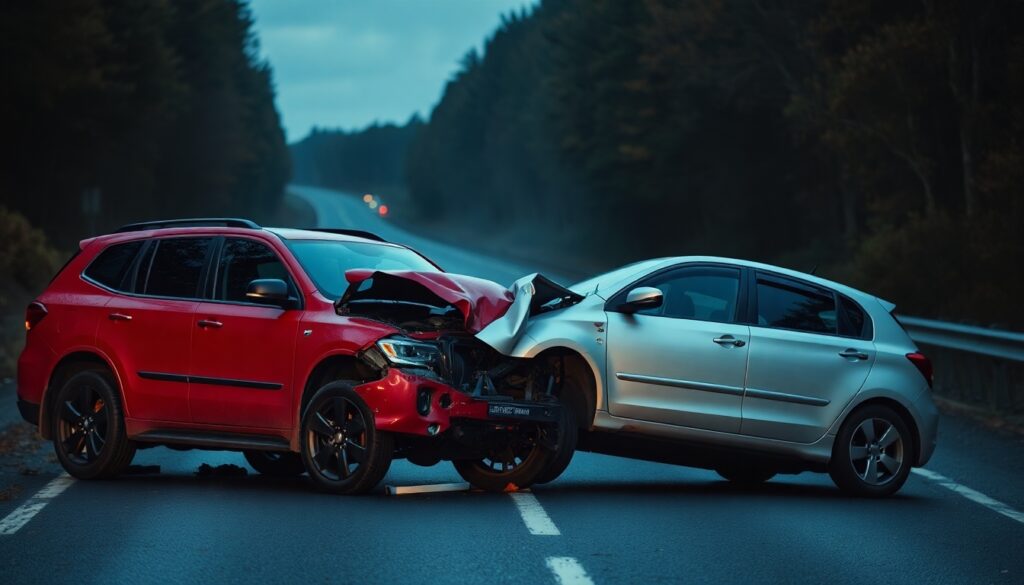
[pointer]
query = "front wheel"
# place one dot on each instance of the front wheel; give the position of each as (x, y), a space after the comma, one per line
(534, 454)
(88, 427)
(342, 450)
(872, 453)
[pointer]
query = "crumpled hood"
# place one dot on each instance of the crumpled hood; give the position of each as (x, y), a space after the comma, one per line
(479, 301)
(495, 314)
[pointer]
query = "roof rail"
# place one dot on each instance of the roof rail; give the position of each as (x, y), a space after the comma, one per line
(194, 222)
(344, 232)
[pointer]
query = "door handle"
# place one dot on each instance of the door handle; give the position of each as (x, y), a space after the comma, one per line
(119, 317)
(210, 323)
(729, 340)
(853, 353)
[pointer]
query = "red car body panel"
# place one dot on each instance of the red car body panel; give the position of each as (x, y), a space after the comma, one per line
(135, 334)
(480, 301)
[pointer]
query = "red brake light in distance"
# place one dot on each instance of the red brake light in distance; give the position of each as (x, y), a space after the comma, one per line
(924, 365)
(34, 313)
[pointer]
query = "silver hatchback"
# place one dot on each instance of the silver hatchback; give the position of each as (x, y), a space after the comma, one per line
(744, 368)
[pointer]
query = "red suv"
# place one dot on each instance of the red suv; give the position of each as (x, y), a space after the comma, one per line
(220, 334)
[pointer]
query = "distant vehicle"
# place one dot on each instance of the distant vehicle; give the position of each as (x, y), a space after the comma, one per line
(220, 334)
(744, 368)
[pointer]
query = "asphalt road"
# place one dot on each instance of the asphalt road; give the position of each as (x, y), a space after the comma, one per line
(607, 519)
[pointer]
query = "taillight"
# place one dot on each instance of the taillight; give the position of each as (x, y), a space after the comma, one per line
(34, 313)
(924, 365)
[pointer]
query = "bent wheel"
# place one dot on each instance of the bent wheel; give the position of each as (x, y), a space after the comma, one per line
(276, 464)
(88, 427)
(342, 450)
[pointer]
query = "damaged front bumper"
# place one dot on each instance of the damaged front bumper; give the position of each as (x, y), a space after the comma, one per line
(409, 403)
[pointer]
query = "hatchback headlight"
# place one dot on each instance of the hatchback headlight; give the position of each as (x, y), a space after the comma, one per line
(402, 351)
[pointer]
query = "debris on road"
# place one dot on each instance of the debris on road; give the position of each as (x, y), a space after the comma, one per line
(401, 490)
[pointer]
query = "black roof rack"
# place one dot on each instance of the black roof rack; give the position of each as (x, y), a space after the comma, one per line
(194, 222)
(357, 233)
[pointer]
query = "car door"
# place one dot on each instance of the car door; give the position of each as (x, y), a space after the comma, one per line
(810, 352)
(243, 351)
(149, 329)
(682, 363)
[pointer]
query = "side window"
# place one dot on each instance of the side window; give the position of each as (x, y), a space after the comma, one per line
(852, 320)
(177, 267)
(112, 268)
(243, 261)
(793, 306)
(706, 293)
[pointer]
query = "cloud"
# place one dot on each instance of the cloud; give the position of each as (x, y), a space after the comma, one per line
(348, 64)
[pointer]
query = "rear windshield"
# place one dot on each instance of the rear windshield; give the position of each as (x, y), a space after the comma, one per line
(325, 261)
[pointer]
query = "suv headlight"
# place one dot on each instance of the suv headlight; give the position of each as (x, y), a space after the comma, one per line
(402, 351)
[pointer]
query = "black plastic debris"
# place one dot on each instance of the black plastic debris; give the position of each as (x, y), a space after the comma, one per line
(226, 470)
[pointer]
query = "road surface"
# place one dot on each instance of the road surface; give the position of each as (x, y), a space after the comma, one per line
(607, 520)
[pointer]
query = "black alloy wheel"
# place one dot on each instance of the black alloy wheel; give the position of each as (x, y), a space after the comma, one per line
(88, 427)
(342, 450)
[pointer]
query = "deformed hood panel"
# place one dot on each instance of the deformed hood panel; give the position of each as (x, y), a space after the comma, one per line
(479, 301)
(495, 314)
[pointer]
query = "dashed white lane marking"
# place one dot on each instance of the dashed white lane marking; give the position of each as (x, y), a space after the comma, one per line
(536, 519)
(568, 571)
(25, 512)
(970, 494)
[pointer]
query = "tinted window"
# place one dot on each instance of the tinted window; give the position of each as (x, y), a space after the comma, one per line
(326, 261)
(177, 267)
(112, 267)
(853, 322)
(242, 262)
(704, 293)
(792, 306)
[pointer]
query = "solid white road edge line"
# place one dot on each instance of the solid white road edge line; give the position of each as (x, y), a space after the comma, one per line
(973, 495)
(25, 512)
(568, 571)
(536, 519)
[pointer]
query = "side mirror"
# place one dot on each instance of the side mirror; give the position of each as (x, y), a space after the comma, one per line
(268, 291)
(642, 297)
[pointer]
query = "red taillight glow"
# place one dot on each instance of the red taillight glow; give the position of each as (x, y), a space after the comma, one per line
(924, 365)
(34, 313)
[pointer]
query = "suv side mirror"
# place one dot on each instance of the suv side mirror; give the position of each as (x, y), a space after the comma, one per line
(642, 297)
(269, 291)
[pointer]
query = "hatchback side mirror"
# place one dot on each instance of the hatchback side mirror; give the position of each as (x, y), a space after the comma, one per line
(269, 291)
(642, 297)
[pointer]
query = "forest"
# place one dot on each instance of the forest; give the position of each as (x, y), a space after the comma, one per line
(881, 142)
(152, 109)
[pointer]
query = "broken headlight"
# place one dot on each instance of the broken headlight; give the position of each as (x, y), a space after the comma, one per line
(402, 351)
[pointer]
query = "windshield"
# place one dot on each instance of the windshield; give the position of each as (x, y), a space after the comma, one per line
(325, 261)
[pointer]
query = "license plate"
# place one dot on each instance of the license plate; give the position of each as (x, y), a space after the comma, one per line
(526, 411)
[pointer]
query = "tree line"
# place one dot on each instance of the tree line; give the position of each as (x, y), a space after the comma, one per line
(159, 109)
(880, 141)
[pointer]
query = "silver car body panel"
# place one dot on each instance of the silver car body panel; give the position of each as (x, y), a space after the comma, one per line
(790, 399)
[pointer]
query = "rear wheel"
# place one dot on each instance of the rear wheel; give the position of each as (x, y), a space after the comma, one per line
(275, 463)
(88, 427)
(342, 450)
(872, 452)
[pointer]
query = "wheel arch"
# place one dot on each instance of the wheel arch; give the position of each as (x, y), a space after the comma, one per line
(577, 367)
(69, 365)
(903, 412)
(337, 366)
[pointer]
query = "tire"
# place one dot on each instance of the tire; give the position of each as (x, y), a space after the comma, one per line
(566, 447)
(88, 426)
(868, 460)
(530, 459)
(745, 474)
(275, 463)
(338, 431)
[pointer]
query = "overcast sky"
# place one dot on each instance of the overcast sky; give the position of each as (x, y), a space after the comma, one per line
(348, 63)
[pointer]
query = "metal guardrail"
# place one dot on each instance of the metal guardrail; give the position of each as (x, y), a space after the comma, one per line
(991, 342)
(980, 367)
